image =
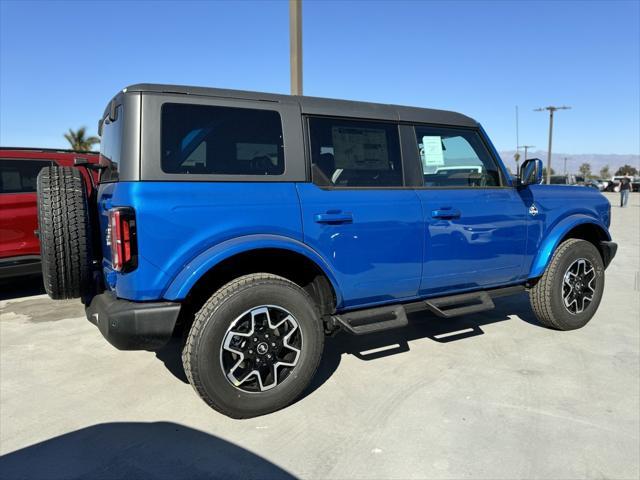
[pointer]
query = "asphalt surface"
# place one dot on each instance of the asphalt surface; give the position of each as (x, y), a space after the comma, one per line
(491, 396)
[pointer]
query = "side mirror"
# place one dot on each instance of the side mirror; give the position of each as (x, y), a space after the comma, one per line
(530, 172)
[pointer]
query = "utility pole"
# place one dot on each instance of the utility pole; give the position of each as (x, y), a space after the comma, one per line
(551, 110)
(525, 148)
(517, 129)
(565, 165)
(516, 156)
(295, 45)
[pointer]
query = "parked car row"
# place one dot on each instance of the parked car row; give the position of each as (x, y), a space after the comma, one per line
(19, 168)
(603, 185)
(614, 184)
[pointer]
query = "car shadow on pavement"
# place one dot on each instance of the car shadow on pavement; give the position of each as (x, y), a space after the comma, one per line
(422, 324)
(18, 287)
(370, 347)
(171, 356)
(137, 450)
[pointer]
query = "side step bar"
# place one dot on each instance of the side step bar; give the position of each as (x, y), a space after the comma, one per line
(387, 317)
(372, 320)
(461, 304)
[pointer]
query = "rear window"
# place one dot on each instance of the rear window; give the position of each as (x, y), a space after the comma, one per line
(111, 147)
(19, 176)
(202, 139)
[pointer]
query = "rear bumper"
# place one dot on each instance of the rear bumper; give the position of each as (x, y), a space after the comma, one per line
(608, 250)
(133, 325)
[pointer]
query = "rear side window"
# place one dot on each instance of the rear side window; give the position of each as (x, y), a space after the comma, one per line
(202, 139)
(19, 176)
(354, 153)
(453, 157)
(111, 147)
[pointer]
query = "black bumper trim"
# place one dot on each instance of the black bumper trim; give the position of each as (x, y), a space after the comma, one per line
(20, 266)
(608, 250)
(133, 325)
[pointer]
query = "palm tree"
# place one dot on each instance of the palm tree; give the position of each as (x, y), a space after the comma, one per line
(78, 141)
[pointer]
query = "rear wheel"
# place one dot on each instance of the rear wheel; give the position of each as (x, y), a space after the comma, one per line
(568, 294)
(64, 230)
(254, 346)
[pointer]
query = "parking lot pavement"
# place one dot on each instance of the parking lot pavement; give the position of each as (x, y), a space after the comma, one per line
(501, 398)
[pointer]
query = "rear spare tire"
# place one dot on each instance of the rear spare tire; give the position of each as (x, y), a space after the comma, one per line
(64, 230)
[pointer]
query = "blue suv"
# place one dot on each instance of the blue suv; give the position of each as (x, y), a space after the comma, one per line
(258, 223)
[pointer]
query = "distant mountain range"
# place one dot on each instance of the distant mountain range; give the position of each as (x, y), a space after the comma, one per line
(596, 160)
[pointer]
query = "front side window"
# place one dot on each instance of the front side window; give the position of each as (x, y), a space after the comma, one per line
(202, 139)
(19, 176)
(453, 157)
(354, 153)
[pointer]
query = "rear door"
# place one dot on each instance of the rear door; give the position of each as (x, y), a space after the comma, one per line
(474, 221)
(358, 213)
(18, 207)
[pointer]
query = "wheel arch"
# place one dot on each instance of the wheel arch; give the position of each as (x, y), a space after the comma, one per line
(581, 227)
(282, 256)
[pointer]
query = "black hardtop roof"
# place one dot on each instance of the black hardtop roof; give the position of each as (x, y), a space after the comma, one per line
(320, 106)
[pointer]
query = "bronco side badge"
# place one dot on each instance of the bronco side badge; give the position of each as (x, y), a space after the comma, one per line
(533, 210)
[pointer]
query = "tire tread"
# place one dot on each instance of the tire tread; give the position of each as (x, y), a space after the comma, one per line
(540, 295)
(189, 356)
(63, 223)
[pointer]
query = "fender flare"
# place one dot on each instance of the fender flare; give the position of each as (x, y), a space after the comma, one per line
(205, 261)
(555, 235)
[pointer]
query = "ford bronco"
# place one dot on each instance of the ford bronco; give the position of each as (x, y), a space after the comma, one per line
(259, 223)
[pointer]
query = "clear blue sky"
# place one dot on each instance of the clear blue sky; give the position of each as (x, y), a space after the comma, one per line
(61, 61)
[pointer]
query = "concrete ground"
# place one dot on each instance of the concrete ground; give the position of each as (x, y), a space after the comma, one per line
(501, 398)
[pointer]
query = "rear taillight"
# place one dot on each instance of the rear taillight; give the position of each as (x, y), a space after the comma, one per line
(124, 245)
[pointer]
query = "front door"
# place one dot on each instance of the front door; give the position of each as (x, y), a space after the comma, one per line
(474, 221)
(358, 214)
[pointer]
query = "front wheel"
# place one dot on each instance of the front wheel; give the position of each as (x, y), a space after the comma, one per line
(254, 346)
(569, 292)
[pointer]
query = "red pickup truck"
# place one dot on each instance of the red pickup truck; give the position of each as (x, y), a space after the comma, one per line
(19, 167)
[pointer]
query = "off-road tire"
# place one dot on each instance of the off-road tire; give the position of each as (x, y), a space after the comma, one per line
(546, 295)
(64, 231)
(201, 352)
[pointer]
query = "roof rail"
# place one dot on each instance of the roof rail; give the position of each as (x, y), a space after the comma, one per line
(59, 150)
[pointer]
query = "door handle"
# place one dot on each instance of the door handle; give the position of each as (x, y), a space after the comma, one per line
(445, 213)
(340, 217)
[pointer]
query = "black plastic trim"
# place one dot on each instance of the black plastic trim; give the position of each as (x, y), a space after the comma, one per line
(133, 325)
(608, 250)
(372, 320)
(20, 266)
